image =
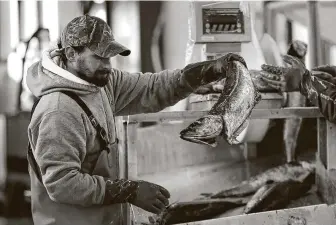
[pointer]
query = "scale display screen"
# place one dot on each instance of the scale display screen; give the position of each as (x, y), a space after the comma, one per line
(222, 21)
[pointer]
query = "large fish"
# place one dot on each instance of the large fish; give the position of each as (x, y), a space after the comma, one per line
(292, 126)
(290, 171)
(228, 117)
(184, 212)
(277, 195)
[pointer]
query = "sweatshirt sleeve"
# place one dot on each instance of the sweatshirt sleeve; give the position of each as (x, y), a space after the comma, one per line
(59, 147)
(320, 89)
(147, 92)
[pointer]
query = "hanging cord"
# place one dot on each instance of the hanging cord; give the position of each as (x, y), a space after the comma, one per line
(155, 48)
(35, 35)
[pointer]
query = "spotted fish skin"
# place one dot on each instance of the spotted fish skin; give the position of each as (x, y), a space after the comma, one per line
(228, 117)
(288, 171)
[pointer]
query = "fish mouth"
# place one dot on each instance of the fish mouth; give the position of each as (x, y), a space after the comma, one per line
(204, 130)
(205, 141)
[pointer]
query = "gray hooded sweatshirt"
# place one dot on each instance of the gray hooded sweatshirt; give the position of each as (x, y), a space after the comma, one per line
(64, 141)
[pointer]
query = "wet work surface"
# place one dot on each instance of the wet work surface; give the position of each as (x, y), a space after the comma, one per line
(188, 184)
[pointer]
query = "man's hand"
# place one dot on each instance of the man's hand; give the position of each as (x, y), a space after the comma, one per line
(151, 197)
(202, 73)
(284, 79)
(220, 66)
(326, 72)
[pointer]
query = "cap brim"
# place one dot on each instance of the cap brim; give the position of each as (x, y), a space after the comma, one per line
(115, 48)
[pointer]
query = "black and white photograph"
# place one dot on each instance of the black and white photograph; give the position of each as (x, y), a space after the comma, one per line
(167, 112)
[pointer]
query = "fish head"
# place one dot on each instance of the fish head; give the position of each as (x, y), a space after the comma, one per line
(298, 49)
(204, 130)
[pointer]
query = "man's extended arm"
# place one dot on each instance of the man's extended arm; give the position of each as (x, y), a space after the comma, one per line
(147, 92)
(151, 92)
(318, 85)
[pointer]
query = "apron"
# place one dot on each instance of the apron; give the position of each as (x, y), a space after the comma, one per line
(47, 212)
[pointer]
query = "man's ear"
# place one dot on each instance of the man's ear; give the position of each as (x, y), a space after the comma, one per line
(70, 53)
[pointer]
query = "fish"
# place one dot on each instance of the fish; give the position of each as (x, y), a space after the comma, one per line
(259, 195)
(292, 126)
(288, 171)
(229, 115)
(277, 195)
(290, 181)
(196, 210)
(298, 49)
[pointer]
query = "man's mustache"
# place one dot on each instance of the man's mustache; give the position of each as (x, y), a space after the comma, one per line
(104, 71)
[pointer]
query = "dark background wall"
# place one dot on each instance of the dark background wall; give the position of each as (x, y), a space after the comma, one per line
(149, 12)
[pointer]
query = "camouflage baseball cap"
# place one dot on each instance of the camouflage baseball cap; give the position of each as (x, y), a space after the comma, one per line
(94, 33)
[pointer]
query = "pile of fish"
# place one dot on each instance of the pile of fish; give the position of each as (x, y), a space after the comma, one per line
(271, 190)
(228, 117)
(290, 171)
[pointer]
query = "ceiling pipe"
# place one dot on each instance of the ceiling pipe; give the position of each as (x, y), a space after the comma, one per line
(314, 38)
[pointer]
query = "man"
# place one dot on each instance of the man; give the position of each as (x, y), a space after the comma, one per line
(73, 157)
(317, 85)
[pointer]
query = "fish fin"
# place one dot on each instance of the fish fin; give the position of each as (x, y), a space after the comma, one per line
(241, 128)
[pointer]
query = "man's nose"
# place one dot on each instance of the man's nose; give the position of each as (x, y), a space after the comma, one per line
(105, 63)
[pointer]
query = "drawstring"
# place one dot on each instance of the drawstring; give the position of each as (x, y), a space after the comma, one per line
(61, 51)
(59, 44)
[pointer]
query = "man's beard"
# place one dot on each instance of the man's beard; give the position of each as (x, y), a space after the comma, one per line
(97, 79)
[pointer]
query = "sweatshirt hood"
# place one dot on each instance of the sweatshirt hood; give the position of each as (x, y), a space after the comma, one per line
(48, 76)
